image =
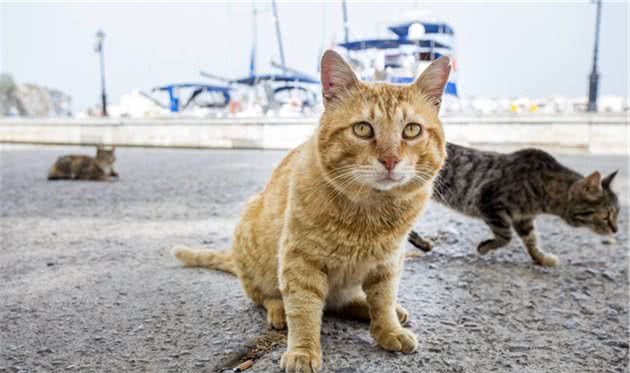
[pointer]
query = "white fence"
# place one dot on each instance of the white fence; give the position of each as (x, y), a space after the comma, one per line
(597, 133)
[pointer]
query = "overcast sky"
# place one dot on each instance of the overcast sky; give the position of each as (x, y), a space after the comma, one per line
(503, 49)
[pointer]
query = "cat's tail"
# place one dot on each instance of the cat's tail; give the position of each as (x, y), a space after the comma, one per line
(219, 260)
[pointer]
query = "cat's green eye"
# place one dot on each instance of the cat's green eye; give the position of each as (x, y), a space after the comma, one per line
(363, 130)
(412, 130)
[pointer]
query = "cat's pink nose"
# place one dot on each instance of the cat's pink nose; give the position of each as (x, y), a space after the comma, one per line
(389, 162)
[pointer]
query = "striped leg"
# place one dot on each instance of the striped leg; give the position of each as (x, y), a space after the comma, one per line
(525, 229)
(501, 225)
(419, 242)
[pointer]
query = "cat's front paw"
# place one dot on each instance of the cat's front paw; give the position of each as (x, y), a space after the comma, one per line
(401, 340)
(301, 361)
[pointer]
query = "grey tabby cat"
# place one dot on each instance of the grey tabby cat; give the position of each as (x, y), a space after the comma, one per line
(509, 190)
(83, 167)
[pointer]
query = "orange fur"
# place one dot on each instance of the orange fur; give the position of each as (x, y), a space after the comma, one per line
(327, 231)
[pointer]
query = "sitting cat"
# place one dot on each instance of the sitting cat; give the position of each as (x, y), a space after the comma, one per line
(327, 230)
(83, 167)
(509, 190)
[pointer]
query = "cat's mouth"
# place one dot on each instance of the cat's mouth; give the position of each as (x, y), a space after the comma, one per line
(391, 178)
(388, 181)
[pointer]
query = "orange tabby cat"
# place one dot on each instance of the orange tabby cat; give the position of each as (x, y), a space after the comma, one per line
(327, 231)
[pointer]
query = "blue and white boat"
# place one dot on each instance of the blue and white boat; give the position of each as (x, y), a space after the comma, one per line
(185, 95)
(283, 92)
(409, 48)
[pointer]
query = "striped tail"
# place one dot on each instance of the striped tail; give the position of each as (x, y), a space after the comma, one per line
(219, 260)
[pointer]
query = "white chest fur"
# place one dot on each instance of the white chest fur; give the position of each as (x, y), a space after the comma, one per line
(345, 280)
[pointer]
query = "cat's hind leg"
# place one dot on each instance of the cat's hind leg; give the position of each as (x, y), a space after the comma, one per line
(276, 318)
(525, 229)
(500, 225)
(359, 309)
(420, 242)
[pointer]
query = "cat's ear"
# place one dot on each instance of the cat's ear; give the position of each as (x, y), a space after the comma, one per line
(588, 187)
(433, 80)
(608, 180)
(591, 186)
(594, 181)
(336, 75)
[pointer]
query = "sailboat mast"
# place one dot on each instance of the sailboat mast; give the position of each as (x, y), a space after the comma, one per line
(346, 32)
(252, 62)
(278, 35)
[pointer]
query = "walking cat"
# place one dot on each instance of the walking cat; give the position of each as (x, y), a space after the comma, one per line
(327, 230)
(83, 167)
(509, 190)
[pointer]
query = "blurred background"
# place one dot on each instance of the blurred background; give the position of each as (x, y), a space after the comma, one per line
(509, 57)
(125, 73)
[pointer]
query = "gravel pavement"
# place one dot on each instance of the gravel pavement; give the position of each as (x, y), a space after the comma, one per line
(87, 283)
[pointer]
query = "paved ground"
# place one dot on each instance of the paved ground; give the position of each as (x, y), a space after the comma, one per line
(87, 282)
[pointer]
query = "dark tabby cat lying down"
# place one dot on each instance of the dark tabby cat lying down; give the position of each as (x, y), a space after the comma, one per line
(509, 190)
(82, 167)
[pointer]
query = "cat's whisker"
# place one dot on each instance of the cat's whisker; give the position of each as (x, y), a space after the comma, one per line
(437, 179)
(346, 181)
(442, 198)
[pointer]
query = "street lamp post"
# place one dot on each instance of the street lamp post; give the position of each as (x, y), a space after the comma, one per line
(100, 38)
(594, 77)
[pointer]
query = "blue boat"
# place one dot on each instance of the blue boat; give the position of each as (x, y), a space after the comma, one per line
(183, 95)
(409, 49)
